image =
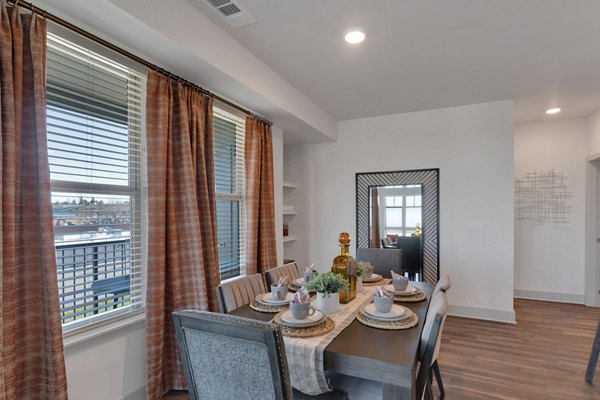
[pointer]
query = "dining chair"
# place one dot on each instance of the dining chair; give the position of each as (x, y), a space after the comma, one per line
(442, 286)
(383, 260)
(230, 357)
(290, 270)
(239, 291)
(439, 302)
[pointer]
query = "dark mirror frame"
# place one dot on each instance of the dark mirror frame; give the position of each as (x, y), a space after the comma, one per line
(429, 180)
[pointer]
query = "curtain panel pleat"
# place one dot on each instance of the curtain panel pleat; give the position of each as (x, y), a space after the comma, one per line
(31, 347)
(375, 236)
(261, 248)
(183, 259)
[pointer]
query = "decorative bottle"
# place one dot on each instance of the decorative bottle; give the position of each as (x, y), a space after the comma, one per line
(345, 265)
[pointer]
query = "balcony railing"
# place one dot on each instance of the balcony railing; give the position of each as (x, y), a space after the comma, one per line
(93, 277)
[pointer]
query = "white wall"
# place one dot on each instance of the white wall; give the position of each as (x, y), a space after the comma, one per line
(549, 260)
(593, 142)
(473, 148)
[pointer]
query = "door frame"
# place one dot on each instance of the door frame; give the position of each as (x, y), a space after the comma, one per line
(592, 231)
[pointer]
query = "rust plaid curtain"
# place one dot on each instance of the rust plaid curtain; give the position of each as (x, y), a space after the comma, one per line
(261, 249)
(375, 236)
(31, 349)
(183, 258)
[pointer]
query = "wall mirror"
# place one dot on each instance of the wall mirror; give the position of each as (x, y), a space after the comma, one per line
(389, 205)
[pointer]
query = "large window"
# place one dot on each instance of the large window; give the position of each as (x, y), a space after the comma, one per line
(229, 176)
(402, 209)
(96, 154)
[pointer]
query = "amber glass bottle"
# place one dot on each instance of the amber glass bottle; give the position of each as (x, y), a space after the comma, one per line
(345, 265)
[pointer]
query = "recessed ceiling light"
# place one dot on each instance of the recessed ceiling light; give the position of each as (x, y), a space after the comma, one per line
(354, 37)
(554, 110)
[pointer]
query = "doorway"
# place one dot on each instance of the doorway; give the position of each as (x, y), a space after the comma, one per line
(592, 231)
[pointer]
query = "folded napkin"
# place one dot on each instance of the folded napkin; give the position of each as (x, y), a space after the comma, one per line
(398, 276)
(310, 268)
(301, 296)
(283, 281)
(380, 293)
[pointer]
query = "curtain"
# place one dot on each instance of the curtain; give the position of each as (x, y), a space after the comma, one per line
(261, 249)
(375, 236)
(31, 349)
(183, 259)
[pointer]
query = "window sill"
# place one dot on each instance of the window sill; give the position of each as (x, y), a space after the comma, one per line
(87, 333)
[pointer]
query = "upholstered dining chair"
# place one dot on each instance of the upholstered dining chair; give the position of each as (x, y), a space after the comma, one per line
(442, 286)
(290, 270)
(239, 291)
(230, 357)
(383, 260)
(439, 302)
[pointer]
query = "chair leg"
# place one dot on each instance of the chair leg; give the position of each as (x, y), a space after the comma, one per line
(428, 395)
(438, 377)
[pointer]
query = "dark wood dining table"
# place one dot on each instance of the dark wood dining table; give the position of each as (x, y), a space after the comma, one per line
(386, 356)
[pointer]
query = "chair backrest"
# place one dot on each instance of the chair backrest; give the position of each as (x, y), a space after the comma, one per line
(229, 357)
(383, 260)
(438, 306)
(290, 270)
(423, 376)
(239, 291)
(442, 286)
(412, 253)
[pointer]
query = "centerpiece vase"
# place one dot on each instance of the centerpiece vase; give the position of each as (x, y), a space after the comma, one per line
(345, 265)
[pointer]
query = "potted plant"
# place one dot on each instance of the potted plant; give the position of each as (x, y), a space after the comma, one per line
(328, 286)
(362, 270)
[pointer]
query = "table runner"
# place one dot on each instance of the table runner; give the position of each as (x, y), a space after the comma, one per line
(305, 355)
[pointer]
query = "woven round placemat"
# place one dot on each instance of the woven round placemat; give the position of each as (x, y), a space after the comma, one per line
(415, 298)
(381, 282)
(310, 331)
(260, 307)
(406, 323)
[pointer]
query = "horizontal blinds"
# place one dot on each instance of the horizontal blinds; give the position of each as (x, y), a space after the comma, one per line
(229, 135)
(96, 149)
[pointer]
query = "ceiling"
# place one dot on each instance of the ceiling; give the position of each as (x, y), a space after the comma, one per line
(427, 54)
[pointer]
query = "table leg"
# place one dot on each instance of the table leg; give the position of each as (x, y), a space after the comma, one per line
(393, 392)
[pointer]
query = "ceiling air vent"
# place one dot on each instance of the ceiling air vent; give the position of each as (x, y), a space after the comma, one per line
(233, 13)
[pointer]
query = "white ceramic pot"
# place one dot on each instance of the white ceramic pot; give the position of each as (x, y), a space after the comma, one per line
(328, 304)
(359, 285)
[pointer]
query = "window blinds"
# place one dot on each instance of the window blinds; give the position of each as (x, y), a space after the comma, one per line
(96, 148)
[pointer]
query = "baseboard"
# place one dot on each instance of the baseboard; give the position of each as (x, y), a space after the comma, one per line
(488, 314)
(550, 296)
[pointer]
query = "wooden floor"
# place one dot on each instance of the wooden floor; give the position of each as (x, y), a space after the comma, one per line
(543, 356)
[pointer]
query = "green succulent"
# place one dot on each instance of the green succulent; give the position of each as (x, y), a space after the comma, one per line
(328, 283)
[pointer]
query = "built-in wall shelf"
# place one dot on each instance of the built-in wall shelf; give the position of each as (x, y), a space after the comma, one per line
(289, 239)
(289, 213)
(289, 185)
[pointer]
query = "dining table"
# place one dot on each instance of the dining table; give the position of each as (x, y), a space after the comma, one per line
(386, 356)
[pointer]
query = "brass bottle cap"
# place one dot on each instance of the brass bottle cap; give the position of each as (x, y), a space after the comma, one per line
(344, 238)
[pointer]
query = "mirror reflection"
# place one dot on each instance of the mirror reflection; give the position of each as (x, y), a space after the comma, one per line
(396, 211)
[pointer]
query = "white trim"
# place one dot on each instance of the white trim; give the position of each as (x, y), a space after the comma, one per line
(550, 296)
(101, 328)
(488, 314)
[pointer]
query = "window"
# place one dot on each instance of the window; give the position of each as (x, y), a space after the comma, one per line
(96, 155)
(229, 131)
(402, 210)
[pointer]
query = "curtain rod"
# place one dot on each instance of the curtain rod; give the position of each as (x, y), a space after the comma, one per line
(65, 24)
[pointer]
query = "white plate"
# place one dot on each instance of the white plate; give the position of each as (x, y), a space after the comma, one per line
(300, 282)
(396, 313)
(373, 278)
(316, 318)
(410, 290)
(267, 298)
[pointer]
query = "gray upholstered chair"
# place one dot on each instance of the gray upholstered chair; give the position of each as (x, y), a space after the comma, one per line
(438, 306)
(442, 286)
(239, 291)
(229, 357)
(383, 260)
(290, 270)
